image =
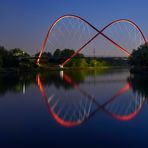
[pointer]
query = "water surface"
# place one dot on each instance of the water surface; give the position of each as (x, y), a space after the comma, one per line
(74, 109)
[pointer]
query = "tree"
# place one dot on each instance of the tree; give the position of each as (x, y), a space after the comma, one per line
(3, 55)
(79, 55)
(93, 63)
(139, 57)
(3, 51)
(46, 55)
(17, 52)
(77, 63)
(66, 53)
(57, 53)
(1, 61)
(81, 63)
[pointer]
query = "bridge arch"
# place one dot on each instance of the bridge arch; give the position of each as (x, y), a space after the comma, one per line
(99, 32)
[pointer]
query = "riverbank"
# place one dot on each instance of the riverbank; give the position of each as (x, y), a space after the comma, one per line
(47, 69)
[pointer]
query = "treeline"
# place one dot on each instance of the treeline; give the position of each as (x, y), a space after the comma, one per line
(17, 58)
(139, 60)
(79, 61)
(58, 57)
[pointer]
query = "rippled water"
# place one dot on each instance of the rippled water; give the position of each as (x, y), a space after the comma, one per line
(74, 109)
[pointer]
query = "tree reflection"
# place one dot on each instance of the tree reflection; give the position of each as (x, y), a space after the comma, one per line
(15, 82)
(139, 84)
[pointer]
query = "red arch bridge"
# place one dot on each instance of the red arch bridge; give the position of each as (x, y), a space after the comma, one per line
(74, 32)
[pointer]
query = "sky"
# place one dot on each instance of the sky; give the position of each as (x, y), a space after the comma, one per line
(24, 23)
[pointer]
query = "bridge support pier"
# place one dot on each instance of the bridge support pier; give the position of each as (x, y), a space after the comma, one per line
(61, 66)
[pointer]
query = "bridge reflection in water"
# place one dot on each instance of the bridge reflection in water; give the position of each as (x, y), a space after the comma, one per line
(82, 97)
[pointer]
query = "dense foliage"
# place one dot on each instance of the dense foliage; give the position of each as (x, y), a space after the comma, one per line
(139, 57)
(83, 62)
(17, 58)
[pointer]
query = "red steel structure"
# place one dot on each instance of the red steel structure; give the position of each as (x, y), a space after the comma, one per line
(99, 32)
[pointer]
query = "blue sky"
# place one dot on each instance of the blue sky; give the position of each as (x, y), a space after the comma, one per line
(24, 23)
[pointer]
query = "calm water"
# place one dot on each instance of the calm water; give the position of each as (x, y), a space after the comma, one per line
(74, 109)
